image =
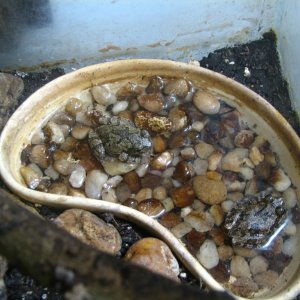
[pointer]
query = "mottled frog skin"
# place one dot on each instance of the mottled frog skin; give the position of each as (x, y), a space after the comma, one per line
(119, 138)
(255, 219)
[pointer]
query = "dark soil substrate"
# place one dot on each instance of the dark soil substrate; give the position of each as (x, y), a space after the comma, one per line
(260, 57)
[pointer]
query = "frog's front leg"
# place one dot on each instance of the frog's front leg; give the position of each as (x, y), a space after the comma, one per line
(96, 145)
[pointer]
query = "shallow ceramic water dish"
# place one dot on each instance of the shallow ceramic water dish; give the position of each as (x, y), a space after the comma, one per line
(259, 114)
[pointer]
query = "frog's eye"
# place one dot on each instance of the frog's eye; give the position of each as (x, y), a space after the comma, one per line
(279, 211)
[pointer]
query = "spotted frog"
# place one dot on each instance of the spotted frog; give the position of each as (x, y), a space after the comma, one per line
(120, 139)
(255, 220)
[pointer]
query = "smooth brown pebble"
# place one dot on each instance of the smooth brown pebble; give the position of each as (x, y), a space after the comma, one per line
(133, 181)
(151, 207)
(151, 181)
(170, 219)
(159, 144)
(177, 87)
(182, 172)
(91, 230)
(154, 255)
(194, 239)
(183, 196)
(122, 192)
(151, 102)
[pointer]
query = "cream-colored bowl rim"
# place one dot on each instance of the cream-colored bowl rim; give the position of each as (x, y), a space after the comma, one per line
(35, 109)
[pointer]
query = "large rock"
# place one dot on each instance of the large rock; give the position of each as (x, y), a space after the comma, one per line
(90, 229)
(11, 88)
(154, 255)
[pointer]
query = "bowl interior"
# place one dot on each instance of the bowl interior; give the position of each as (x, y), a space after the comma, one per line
(40, 106)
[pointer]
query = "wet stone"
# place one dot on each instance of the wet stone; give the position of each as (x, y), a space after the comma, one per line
(194, 240)
(90, 229)
(220, 272)
(151, 207)
(170, 219)
(208, 254)
(133, 181)
(182, 172)
(183, 196)
(150, 181)
(154, 255)
(123, 192)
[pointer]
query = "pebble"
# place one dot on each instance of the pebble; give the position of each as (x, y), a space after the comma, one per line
(239, 267)
(109, 195)
(177, 87)
(119, 107)
(38, 137)
(290, 197)
(77, 176)
(80, 132)
(170, 220)
(290, 228)
(155, 85)
(235, 196)
(83, 118)
(217, 213)
(76, 193)
(151, 207)
(183, 196)
(256, 156)
(62, 118)
(188, 153)
(50, 172)
(160, 193)
(123, 192)
(182, 172)
(133, 181)
(162, 161)
(218, 235)
(90, 229)
(143, 194)
(56, 133)
(206, 102)
(209, 191)
(181, 229)
(200, 220)
(69, 144)
(200, 166)
(233, 160)
(194, 239)
(31, 177)
(227, 205)
(289, 246)
(142, 169)
(95, 180)
(115, 167)
(155, 123)
(244, 139)
(244, 287)
(204, 150)
(258, 264)
(152, 102)
(280, 180)
(246, 173)
(208, 254)
(73, 106)
(103, 95)
(266, 279)
(58, 188)
(159, 144)
(225, 252)
(245, 252)
(151, 181)
(154, 255)
(168, 204)
(214, 160)
(131, 203)
(39, 155)
(63, 166)
(66, 129)
(178, 118)
(213, 175)
(198, 125)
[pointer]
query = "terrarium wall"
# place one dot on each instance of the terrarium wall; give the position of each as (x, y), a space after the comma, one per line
(78, 33)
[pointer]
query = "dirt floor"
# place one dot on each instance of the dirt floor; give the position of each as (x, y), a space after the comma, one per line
(264, 77)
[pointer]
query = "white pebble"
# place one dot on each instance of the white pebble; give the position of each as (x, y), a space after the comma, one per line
(289, 246)
(290, 228)
(208, 254)
(38, 137)
(95, 180)
(57, 135)
(198, 126)
(168, 172)
(160, 193)
(233, 160)
(204, 150)
(239, 267)
(198, 205)
(86, 98)
(214, 160)
(188, 153)
(290, 197)
(51, 173)
(168, 204)
(181, 229)
(36, 168)
(109, 195)
(62, 166)
(142, 169)
(113, 181)
(143, 194)
(83, 118)
(200, 220)
(77, 176)
(246, 173)
(185, 211)
(119, 106)
(200, 166)
(258, 264)
(103, 95)
(80, 132)
(227, 205)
